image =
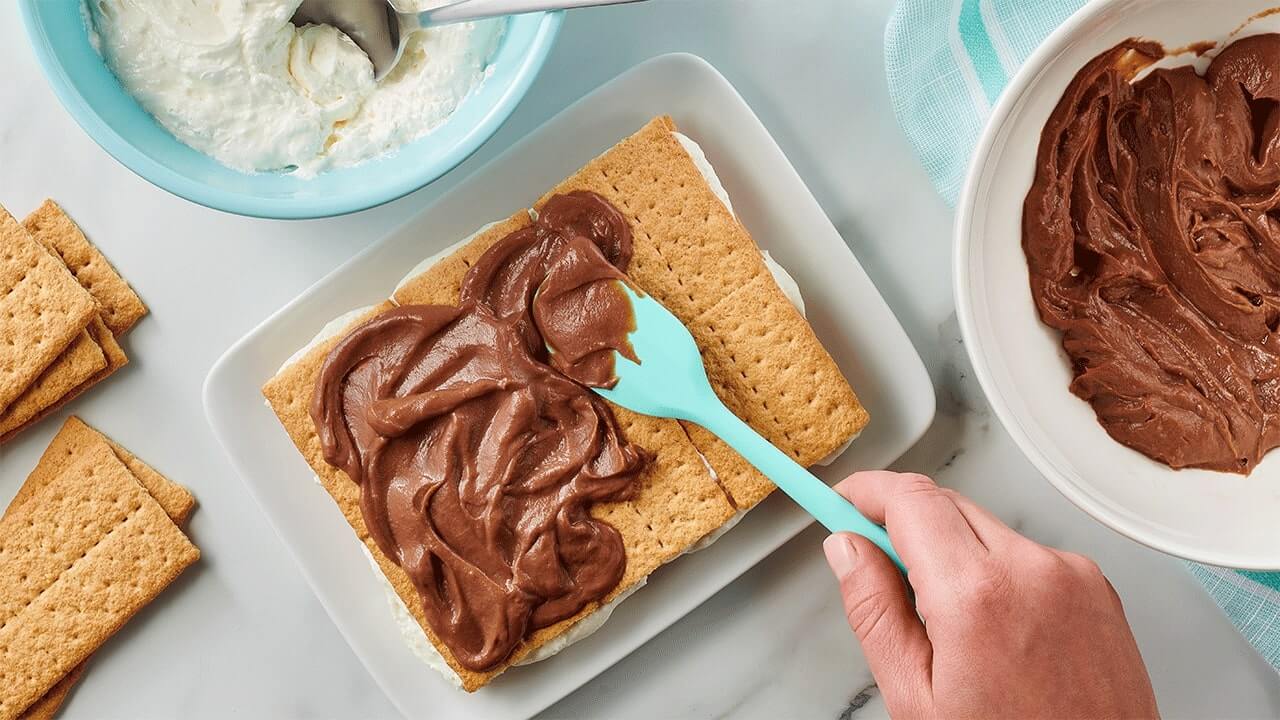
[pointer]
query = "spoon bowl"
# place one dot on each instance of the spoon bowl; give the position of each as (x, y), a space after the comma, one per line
(381, 29)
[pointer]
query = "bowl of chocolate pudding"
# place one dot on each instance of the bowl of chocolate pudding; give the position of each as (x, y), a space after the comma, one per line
(1117, 271)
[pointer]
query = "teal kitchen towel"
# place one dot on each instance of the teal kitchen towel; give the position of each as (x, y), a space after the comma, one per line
(947, 62)
(1251, 600)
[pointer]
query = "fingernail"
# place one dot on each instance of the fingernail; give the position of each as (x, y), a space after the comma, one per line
(841, 554)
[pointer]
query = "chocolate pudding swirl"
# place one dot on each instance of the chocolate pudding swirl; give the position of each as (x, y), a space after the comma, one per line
(477, 458)
(1152, 233)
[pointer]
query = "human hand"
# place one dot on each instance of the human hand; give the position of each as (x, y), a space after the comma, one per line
(1006, 627)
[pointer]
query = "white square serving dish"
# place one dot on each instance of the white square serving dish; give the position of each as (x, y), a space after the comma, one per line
(844, 308)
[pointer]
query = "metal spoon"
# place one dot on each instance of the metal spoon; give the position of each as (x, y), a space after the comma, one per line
(378, 28)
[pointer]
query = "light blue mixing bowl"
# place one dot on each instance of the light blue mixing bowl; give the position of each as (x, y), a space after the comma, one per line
(93, 96)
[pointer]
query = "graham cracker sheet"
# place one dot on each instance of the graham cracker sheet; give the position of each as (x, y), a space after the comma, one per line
(82, 359)
(742, 482)
(78, 558)
(89, 360)
(48, 705)
(691, 254)
(121, 306)
(678, 502)
(71, 442)
(42, 309)
(770, 367)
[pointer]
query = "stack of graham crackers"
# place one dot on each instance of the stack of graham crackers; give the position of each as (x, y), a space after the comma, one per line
(62, 309)
(92, 536)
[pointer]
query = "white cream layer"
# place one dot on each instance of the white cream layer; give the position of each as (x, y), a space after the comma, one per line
(421, 647)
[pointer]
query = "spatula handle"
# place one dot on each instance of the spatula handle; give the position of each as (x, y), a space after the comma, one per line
(809, 492)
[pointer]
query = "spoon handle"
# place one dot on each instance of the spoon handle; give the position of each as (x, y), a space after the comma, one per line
(479, 9)
(810, 493)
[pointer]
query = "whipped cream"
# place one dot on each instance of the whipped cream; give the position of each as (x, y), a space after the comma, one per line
(330, 330)
(237, 81)
(421, 647)
(431, 261)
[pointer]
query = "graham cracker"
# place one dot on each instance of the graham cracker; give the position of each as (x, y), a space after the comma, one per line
(121, 306)
(49, 703)
(69, 444)
(77, 560)
(691, 254)
(73, 441)
(42, 309)
(64, 381)
(678, 502)
(82, 359)
(745, 485)
(767, 365)
(289, 394)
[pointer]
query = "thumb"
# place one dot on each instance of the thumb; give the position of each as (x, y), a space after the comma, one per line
(877, 608)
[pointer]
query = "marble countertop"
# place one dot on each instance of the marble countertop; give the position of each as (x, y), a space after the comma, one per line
(242, 635)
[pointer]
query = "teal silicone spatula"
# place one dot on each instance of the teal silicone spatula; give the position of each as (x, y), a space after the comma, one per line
(670, 381)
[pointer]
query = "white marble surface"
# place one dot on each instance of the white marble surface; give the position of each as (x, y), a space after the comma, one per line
(242, 636)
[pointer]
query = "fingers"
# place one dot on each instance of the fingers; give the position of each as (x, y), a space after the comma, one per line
(878, 610)
(876, 491)
(875, 487)
(930, 533)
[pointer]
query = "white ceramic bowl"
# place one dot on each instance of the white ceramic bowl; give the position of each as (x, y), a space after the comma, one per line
(1215, 518)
